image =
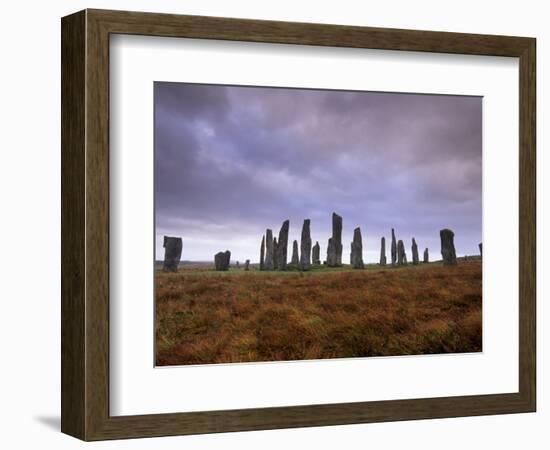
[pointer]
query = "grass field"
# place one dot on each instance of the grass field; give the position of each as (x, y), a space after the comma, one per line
(205, 317)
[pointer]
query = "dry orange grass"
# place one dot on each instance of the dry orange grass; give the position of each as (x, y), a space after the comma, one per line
(206, 317)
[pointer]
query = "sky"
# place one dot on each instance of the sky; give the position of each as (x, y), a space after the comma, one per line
(231, 161)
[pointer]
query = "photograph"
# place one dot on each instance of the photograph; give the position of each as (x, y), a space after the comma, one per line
(308, 224)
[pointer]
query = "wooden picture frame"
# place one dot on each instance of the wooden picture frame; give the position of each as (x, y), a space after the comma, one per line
(85, 224)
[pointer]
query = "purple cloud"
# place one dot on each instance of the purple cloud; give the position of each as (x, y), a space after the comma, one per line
(232, 161)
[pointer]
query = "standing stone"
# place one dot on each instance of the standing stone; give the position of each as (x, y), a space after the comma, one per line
(426, 256)
(227, 259)
(481, 249)
(337, 233)
(331, 253)
(275, 254)
(282, 246)
(305, 246)
(334, 249)
(172, 253)
(268, 262)
(401, 255)
(383, 251)
(219, 259)
(356, 257)
(393, 248)
(222, 259)
(414, 250)
(237, 265)
(316, 254)
(295, 258)
(448, 247)
(262, 252)
(247, 265)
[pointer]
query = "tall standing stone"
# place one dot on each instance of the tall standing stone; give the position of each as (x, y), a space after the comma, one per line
(295, 258)
(316, 254)
(448, 247)
(222, 260)
(383, 251)
(247, 265)
(481, 249)
(393, 248)
(334, 249)
(262, 253)
(282, 246)
(426, 256)
(401, 255)
(172, 253)
(414, 250)
(268, 262)
(356, 257)
(337, 233)
(275, 254)
(305, 246)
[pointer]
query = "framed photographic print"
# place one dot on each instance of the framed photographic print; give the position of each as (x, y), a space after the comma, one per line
(266, 224)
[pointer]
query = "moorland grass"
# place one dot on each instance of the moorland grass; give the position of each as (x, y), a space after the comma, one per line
(205, 317)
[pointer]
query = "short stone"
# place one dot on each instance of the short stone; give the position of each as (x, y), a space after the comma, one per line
(222, 260)
(172, 253)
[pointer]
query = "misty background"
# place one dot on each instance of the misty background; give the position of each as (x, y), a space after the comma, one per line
(231, 161)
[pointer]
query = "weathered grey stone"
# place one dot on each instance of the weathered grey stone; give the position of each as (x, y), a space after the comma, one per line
(262, 252)
(331, 253)
(334, 249)
(426, 256)
(295, 258)
(383, 251)
(275, 254)
(305, 246)
(247, 265)
(448, 247)
(222, 260)
(414, 250)
(237, 265)
(172, 253)
(268, 262)
(337, 233)
(481, 249)
(219, 260)
(356, 257)
(393, 248)
(316, 254)
(227, 258)
(282, 246)
(401, 255)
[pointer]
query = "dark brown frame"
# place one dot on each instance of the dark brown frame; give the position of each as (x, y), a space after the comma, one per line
(85, 224)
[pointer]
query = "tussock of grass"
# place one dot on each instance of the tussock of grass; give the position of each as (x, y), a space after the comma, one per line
(203, 317)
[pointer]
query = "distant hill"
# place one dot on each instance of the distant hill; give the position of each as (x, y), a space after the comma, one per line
(189, 263)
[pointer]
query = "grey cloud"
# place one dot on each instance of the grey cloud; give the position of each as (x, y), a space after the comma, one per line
(231, 161)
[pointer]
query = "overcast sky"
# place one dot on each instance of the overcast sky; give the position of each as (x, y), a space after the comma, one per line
(233, 161)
